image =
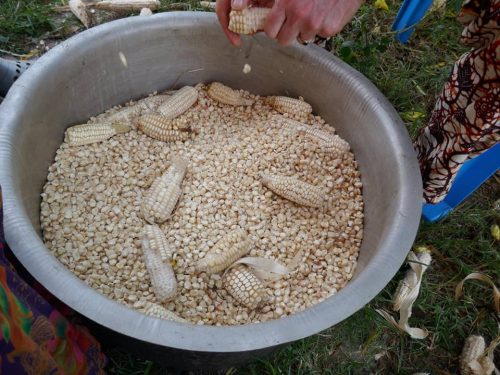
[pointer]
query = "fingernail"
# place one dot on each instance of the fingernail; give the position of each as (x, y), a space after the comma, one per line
(237, 3)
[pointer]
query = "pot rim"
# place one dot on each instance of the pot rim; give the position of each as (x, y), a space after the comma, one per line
(30, 250)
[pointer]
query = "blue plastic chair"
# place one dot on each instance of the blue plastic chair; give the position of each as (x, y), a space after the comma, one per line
(470, 176)
(410, 13)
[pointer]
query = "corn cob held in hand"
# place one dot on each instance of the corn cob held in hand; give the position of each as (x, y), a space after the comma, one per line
(179, 102)
(226, 95)
(90, 133)
(244, 286)
(295, 190)
(161, 273)
(225, 252)
(161, 199)
(248, 21)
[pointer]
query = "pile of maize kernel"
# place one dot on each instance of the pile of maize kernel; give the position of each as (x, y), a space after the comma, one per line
(92, 221)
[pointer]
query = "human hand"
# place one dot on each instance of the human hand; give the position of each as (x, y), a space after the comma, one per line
(292, 19)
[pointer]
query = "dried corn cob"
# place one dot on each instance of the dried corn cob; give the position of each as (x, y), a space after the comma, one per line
(328, 141)
(248, 20)
(225, 252)
(161, 273)
(295, 107)
(179, 102)
(244, 286)
(160, 200)
(127, 5)
(226, 95)
(90, 133)
(473, 361)
(158, 241)
(162, 128)
(208, 4)
(146, 12)
(159, 311)
(295, 190)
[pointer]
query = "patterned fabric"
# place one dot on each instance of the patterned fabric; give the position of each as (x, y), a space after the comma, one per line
(35, 338)
(466, 118)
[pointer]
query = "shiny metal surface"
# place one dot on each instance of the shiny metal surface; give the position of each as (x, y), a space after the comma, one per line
(85, 75)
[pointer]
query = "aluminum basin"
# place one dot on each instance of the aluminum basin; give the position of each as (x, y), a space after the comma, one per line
(129, 58)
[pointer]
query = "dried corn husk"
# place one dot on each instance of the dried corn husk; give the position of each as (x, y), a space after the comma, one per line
(79, 9)
(408, 292)
(127, 5)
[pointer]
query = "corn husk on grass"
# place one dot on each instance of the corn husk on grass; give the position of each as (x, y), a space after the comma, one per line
(295, 190)
(160, 272)
(127, 5)
(79, 135)
(225, 252)
(473, 360)
(161, 199)
(226, 95)
(248, 21)
(79, 9)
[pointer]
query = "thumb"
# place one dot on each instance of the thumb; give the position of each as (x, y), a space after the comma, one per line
(239, 4)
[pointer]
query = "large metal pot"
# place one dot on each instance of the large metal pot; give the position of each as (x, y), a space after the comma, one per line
(130, 58)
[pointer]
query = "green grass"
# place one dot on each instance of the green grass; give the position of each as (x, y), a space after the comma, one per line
(410, 76)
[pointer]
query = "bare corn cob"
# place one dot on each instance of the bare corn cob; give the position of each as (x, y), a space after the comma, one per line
(226, 95)
(248, 21)
(159, 311)
(161, 198)
(126, 114)
(295, 107)
(161, 273)
(164, 129)
(295, 190)
(157, 240)
(244, 286)
(151, 103)
(90, 133)
(473, 360)
(146, 12)
(327, 140)
(179, 102)
(127, 5)
(225, 252)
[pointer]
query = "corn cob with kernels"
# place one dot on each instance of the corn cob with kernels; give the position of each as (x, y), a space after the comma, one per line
(248, 21)
(161, 128)
(90, 133)
(295, 190)
(291, 106)
(472, 360)
(244, 286)
(225, 252)
(157, 240)
(226, 95)
(159, 311)
(161, 273)
(179, 102)
(327, 140)
(161, 198)
(127, 5)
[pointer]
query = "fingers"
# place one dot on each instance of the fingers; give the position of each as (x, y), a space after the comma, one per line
(222, 8)
(239, 4)
(275, 20)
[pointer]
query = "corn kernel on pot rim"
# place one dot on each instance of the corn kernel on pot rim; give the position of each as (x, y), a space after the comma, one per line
(85, 75)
